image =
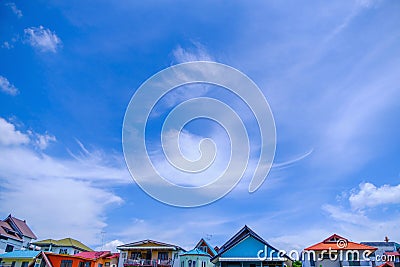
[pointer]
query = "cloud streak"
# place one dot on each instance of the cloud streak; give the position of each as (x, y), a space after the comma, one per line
(42, 39)
(7, 87)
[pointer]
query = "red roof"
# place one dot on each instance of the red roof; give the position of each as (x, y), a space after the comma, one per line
(336, 242)
(21, 225)
(94, 255)
(392, 253)
(113, 255)
(6, 230)
(387, 264)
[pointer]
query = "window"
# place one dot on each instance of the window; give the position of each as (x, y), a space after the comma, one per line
(66, 263)
(107, 263)
(163, 255)
(182, 263)
(13, 264)
(99, 265)
(203, 264)
(87, 264)
(24, 264)
(76, 251)
(136, 255)
(81, 264)
(123, 255)
(9, 248)
(194, 264)
(63, 251)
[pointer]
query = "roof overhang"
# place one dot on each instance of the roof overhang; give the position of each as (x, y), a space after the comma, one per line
(250, 259)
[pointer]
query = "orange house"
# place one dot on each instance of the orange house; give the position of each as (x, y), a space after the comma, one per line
(84, 259)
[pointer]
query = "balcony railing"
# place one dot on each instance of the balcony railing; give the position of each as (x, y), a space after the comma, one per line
(153, 263)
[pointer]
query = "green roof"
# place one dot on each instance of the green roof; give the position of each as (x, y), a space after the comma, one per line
(66, 242)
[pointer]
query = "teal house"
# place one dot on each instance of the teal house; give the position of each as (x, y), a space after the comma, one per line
(247, 249)
(200, 256)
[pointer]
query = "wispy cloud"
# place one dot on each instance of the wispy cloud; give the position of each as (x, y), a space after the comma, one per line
(75, 191)
(195, 53)
(7, 87)
(43, 39)
(15, 9)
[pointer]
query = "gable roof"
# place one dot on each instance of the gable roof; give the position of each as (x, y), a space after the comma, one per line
(337, 242)
(6, 230)
(20, 226)
(139, 245)
(238, 237)
(195, 251)
(211, 251)
(387, 264)
(20, 254)
(65, 242)
(94, 254)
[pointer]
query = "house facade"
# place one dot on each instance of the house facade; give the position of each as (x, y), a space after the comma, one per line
(18, 258)
(382, 248)
(247, 249)
(15, 234)
(337, 251)
(199, 256)
(101, 258)
(149, 253)
(68, 246)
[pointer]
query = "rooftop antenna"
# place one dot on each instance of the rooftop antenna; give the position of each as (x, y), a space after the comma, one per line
(102, 239)
(387, 239)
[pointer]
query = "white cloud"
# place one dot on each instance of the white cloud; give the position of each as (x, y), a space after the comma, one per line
(371, 196)
(15, 10)
(198, 52)
(10, 136)
(7, 87)
(7, 45)
(67, 196)
(43, 140)
(42, 39)
(111, 246)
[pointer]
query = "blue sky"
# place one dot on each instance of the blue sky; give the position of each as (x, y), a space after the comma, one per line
(329, 71)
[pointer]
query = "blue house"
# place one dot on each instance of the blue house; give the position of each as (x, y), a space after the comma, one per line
(247, 249)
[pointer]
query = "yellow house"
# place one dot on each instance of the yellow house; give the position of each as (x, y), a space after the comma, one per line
(149, 253)
(18, 258)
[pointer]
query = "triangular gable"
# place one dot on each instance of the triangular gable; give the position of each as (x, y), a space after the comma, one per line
(249, 248)
(334, 239)
(246, 244)
(210, 250)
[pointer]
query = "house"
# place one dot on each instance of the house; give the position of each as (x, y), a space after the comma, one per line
(15, 234)
(247, 249)
(101, 258)
(393, 257)
(149, 253)
(17, 258)
(50, 259)
(382, 248)
(337, 251)
(63, 246)
(199, 256)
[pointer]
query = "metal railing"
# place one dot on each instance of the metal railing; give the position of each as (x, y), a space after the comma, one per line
(154, 263)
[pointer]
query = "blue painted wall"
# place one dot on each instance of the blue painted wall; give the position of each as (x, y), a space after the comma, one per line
(248, 248)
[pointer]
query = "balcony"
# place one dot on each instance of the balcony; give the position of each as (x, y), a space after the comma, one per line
(152, 263)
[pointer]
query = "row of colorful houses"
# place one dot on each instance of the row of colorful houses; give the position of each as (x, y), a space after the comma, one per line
(244, 249)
